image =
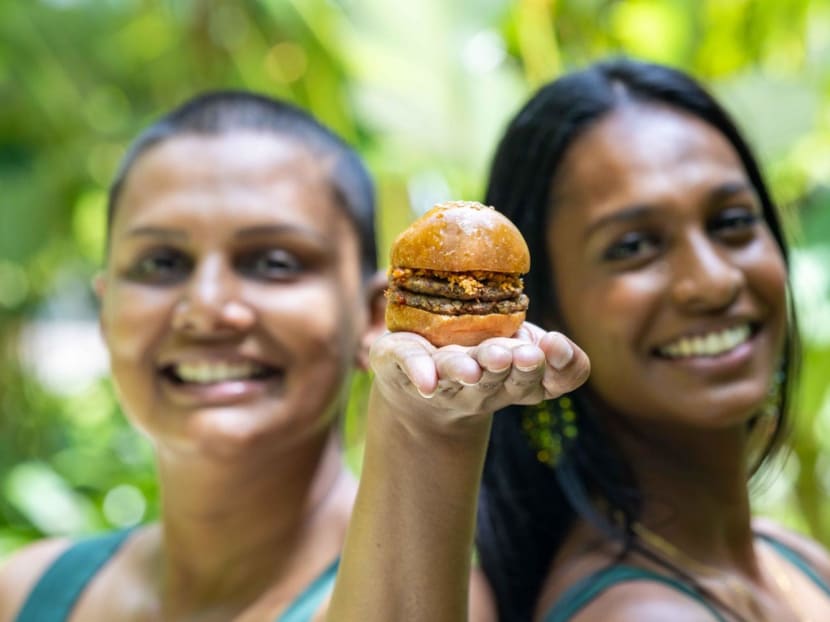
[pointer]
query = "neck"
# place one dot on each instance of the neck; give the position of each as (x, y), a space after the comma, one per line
(702, 469)
(232, 527)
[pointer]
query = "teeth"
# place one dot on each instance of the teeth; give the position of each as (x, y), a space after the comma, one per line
(712, 344)
(203, 372)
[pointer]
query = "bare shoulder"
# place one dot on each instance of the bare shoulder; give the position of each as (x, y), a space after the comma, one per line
(19, 574)
(813, 553)
(643, 601)
(482, 605)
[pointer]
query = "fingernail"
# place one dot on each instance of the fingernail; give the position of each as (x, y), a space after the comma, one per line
(563, 356)
(530, 368)
(467, 384)
(426, 396)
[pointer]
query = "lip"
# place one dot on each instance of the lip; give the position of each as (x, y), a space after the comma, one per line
(190, 395)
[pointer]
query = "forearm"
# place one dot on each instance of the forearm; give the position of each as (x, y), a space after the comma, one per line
(407, 555)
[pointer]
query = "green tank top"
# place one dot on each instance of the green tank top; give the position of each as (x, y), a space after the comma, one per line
(54, 596)
(583, 592)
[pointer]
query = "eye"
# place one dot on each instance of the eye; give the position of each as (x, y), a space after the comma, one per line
(270, 264)
(160, 266)
(734, 223)
(632, 246)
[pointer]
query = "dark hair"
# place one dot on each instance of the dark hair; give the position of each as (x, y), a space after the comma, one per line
(526, 508)
(228, 111)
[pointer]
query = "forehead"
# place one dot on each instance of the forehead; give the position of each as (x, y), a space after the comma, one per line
(643, 150)
(229, 178)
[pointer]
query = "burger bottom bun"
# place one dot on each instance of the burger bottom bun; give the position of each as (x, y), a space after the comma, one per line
(442, 330)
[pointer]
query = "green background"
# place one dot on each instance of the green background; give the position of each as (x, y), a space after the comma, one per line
(422, 89)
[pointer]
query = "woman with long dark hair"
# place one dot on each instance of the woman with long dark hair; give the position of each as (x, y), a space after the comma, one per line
(656, 247)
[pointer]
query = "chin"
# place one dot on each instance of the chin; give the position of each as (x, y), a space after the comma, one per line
(234, 434)
(735, 408)
(214, 441)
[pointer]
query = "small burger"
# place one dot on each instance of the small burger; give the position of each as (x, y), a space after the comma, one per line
(456, 275)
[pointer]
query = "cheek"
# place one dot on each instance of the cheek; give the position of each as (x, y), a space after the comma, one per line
(133, 321)
(317, 329)
(766, 276)
(766, 268)
(611, 319)
(315, 323)
(609, 316)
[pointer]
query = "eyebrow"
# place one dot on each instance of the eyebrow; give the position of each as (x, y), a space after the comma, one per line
(630, 213)
(640, 211)
(730, 188)
(264, 230)
(157, 232)
(247, 232)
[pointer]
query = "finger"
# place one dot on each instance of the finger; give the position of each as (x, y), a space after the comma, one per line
(419, 368)
(558, 349)
(525, 387)
(510, 361)
(524, 383)
(528, 358)
(569, 376)
(494, 355)
(530, 333)
(411, 356)
(455, 365)
(448, 388)
(495, 358)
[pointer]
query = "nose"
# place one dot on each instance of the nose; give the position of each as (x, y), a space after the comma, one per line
(706, 279)
(211, 304)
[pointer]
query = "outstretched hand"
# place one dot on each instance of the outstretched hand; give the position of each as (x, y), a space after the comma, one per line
(429, 414)
(456, 382)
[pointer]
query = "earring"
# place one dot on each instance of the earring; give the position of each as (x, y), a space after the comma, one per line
(550, 427)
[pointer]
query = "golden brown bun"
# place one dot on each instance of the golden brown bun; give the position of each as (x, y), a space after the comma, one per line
(461, 236)
(442, 330)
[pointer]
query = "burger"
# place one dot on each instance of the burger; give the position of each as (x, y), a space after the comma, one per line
(455, 275)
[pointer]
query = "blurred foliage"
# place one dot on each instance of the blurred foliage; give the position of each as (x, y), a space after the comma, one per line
(422, 89)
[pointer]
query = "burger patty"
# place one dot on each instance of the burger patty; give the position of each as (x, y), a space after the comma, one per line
(454, 306)
(480, 286)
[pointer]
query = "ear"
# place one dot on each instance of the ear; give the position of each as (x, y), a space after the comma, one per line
(376, 326)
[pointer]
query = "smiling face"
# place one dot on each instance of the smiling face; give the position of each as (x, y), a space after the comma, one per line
(232, 304)
(666, 273)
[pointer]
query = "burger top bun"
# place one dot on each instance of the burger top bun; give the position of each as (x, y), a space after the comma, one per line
(462, 236)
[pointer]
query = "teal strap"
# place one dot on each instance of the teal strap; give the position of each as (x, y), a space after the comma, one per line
(57, 591)
(589, 588)
(55, 594)
(796, 560)
(307, 603)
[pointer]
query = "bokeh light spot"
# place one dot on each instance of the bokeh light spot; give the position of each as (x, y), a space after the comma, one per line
(124, 506)
(483, 52)
(286, 62)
